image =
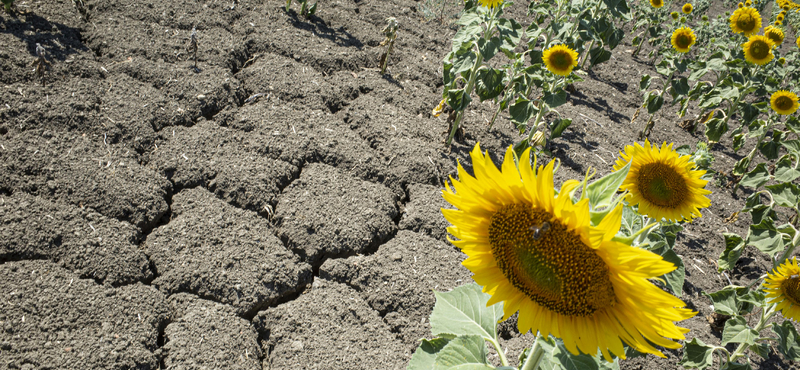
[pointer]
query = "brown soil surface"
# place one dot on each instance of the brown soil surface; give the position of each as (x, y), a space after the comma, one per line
(276, 205)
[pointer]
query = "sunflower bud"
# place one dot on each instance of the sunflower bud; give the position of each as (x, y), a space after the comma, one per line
(704, 17)
(537, 139)
(674, 15)
(438, 110)
(781, 61)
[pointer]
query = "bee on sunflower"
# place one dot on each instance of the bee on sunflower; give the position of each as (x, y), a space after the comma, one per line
(783, 102)
(687, 8)
(682, 39)
(745, 20)
(560, 59)
(783, 288)
(663, 183)
(775, 34)
(758, 50)
(569, 278)
(657, 3)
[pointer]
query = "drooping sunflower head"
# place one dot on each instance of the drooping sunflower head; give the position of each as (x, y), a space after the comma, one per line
(657, 3)
(783, 287)
(758, 50)
(745, 20)
(560, 59)
(687, 8)
(775, 34)
(663, 183)
(783, 102)
(682, 39)
(539, 254)
(674, 15)
(490, 3)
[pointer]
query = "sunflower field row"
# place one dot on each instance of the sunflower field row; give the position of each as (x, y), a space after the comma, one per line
(589, 267)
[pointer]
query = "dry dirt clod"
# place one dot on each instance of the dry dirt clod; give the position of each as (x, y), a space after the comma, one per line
(40, 64)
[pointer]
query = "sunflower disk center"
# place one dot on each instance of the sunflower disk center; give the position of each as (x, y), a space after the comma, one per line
(660, 184)
(791, 289)
(548, 263)
(745, 22)
(760, 49)
(683, 41)
(784, 103)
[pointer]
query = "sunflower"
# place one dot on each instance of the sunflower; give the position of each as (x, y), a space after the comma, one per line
(745, 20)
(687, 8)
(560, 59)
(538, 253)
(663, 183)
(490, 3)
(747, 3)
(780, 17)
(657, 3)
(674, 15)
(783, 287)
(783, 102)
(682, 39)
(781, 61)
(740, 5)
(758, 50)
(798, 42)
(775, 34)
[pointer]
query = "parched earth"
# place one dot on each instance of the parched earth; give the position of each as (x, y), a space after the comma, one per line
(275, 206)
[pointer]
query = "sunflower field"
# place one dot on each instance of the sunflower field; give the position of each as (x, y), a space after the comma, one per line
(588, 266)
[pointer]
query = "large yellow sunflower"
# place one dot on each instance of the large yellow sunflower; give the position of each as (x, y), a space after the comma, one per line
(560, 59)
(490, 3)
(758, 50)
(682, 39)
(783, 102)
(745, 20)
(783, 287)
(538, 253)
(687, 8)
(775, 34)
(663, 183)
(657, 3)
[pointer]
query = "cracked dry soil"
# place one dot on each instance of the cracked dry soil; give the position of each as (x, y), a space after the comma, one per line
(277, 206)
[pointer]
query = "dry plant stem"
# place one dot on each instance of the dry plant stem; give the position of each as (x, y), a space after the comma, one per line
(766, 314)
(535, 356)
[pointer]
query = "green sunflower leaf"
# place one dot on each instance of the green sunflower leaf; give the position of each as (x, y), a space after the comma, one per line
(521, 111)
(644, 83)
(761, 349)
(788, 344)
(653, 102)
(765, 237)
(757, 177)
(489, 83)
(601, 192)
(736, 366)
(599, 55)
(793, 124)
(785, 194)
(734, 244)
(737, 331)
(697, 355)
(425, 355)
(458, 99)
(488, 48)
(554, 100)
(785, 171)
(466, 352)
(725, 300)
(676, 277)
(558, 126)
(557, 357)
(715, 128)
(770, 148)
(463, 311)
(680, 86)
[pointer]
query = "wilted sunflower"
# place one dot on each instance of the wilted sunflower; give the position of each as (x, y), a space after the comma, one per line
(775, 34)
(663, 183)
(783, 102)
(783, 287)
(657, 3)
(490, 3)
(682, 39)
(758, 50)
(687, 8)
(539, 254)
(745, 20)
(560, 59)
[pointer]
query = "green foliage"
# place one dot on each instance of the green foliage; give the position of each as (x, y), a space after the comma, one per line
(7, 4)
(305, 10)
(697, 355)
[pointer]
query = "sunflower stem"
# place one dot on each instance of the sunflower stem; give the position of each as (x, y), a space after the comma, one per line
(752, 153)
(536, 355)
(766, 314)
(630, 239)
(788, 252)
(503, 359)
